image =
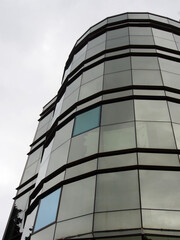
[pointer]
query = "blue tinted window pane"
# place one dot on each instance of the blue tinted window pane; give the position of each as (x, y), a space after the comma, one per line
(86, 121)
(47, 210)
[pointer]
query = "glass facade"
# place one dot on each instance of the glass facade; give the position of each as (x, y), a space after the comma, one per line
(104, 162)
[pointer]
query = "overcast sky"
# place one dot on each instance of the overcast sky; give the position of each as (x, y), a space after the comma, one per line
(36, 37)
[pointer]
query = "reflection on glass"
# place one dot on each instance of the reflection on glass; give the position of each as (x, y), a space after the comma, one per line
(47, 210)
(155, 135)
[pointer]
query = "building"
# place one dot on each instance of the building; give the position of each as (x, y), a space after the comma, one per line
(104, 162)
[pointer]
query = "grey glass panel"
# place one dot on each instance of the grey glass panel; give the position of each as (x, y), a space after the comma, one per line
(144, 63)
(98, 25)
(149, 92)
(51, 183)
(117, 161)
(119, 79)
(89, 103)
(117, 112)
(33, 157)
(146, 31)
(118, 42)
(138, 16)
(45, 234)
(73, 86)
(161, 219)
(91, 88)
(93, 73)
(177, 38)
(77, 199)
(93, 51)
(160, 189)
(142, 40)
(87, 121)
(84, 145)
(171, 80)
(29, 172)
(174, 111)
(74, 227)
(117, 137)
(117, 191)
(115, 53)
(69, 101)
(62, 135)
(117, 220)
(41, 131)
(81, 169)
(45, 120)
(176, 128)
(117, 33)
(173, 95)
(169, 66)
(165, 43)
(119, 94)
(158, 159)
(80, 53)
(151, 110)
(162, 34)
(155, 135)
(158, 18)
(96, 41)
(117, 18)
(58, 158)
(117, 65)
(47, 210)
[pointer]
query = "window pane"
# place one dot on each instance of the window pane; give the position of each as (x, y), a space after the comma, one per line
(117, 137)
(117, 65)
(158, 159)
(90, 88)
(117, 33)
(74, 227)
(93, 73)
(142, 40)
(117, 191)
(169, 66)
(118, 42)
(117, 161)
(161, 219)
(77, 199)
(117, 220)
(119, 79)
(144, 63)
(47, 210)
(155, 135)
(151, 110)
(84, 145)
(174, 111)
(86, 121)
(146, 77)
(117, 112)
(171, 79)
(140, 31)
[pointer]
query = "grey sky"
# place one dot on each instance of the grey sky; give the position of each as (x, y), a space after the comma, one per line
(36, 37)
